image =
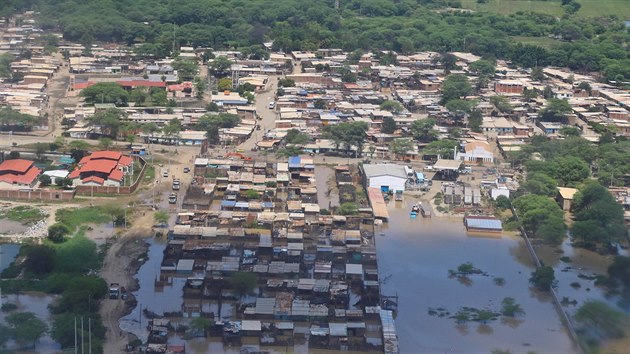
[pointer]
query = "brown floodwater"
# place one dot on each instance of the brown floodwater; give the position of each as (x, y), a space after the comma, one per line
(414, 257)
(37, 303)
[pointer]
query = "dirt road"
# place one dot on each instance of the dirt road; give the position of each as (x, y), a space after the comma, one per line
(121, 263)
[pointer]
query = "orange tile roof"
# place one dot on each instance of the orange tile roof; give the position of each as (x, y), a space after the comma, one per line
(125, 160)
(116, 175)
(103, 166)
(105, 154)
(22, 178)
(96, 179)
(17, 165)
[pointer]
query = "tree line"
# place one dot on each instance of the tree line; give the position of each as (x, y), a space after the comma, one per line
(591, 44)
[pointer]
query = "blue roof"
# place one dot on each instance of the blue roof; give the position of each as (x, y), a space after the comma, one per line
(483, 223)
(294, 161)
(242, 205)
(267, 204)
(228, 203)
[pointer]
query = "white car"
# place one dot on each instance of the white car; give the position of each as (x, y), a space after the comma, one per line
(165, 174)
(272, 105)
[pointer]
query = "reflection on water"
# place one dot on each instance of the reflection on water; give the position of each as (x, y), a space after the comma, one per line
(414, 258)
(8, 252)
(36, 303)
(157, 300)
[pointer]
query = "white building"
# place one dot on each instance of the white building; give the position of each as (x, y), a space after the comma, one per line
(476, 152)
(386, 177)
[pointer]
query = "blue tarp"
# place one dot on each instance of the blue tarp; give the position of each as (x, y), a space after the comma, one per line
(295, 162)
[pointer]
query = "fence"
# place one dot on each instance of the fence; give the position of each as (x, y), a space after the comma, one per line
(554, 295)
(91, 190)
(38, 194)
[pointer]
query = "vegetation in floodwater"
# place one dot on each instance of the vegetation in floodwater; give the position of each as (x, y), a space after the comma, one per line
(24, 214)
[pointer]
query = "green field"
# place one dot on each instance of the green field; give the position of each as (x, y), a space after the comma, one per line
(544, 42)
(590, 8)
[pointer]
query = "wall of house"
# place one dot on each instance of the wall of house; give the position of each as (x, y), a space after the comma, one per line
(394, 183)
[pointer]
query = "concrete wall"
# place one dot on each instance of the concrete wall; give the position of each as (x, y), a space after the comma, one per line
(39, 194)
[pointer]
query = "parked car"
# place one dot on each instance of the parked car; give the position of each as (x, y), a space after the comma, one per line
(176, 184)
(186, 169)
(172, 198)
(165, 174)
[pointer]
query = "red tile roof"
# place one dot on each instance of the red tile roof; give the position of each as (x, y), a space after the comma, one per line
(141, 83)
(125, 160)
(17, 165)
(74, 174)
(103, 166)
(98, 180)
(109, 155)
(22, 178)
(116, 175)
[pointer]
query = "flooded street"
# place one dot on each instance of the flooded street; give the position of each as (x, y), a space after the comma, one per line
(155, 299)
(414, 257)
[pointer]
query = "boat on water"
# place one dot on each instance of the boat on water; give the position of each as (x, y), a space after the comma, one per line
(426, 211)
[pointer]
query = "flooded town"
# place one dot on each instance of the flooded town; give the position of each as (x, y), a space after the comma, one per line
(271, 199)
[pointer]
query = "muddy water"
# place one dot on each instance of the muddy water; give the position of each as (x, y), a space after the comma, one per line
(414, 257)
(150, 297)
(36, 303)
(8, 252)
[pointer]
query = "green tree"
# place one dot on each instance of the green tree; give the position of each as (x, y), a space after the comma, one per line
(484, 316)
(348, 208)
(538, 74)
(482, 67)
(319, 104)
(105, 92)
(212, 107)
(243, 282)
(288, 151)
(388, 126)
(501, 103)
(462, 316)
(15, 120)
(186, 68)
(109, 120)
(502, 202)
(556, 110)
(400, 147)
(448, 62)
(459, 108)
(570, 131)
(224, 84)
(422, 130)
(455, 86)
(598, 217)
(57, 231)
(541, 217)
(443, 148)
(539, 183)
(296, 137)
(45, 180)
(543, 278)
(200, 325)
(220, 66)
(26, 327)
(347, 134)
(510, 308)
(39, 259)
(598, 316)
(392, 106)
(251, 194)
(161, 217)
(211, 123)
(286, 82)
(172, 128)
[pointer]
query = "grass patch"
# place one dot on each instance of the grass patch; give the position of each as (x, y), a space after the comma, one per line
(590, 8)
(149, 174)
(75, 217)
(544, 42)
(25, 214)
(507, 7)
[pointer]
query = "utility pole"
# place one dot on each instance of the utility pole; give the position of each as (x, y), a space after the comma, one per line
(76, 349)
(82, 337)
(90, 335)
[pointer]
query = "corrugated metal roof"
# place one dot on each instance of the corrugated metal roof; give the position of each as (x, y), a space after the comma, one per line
(388, 169)
(483, 223)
